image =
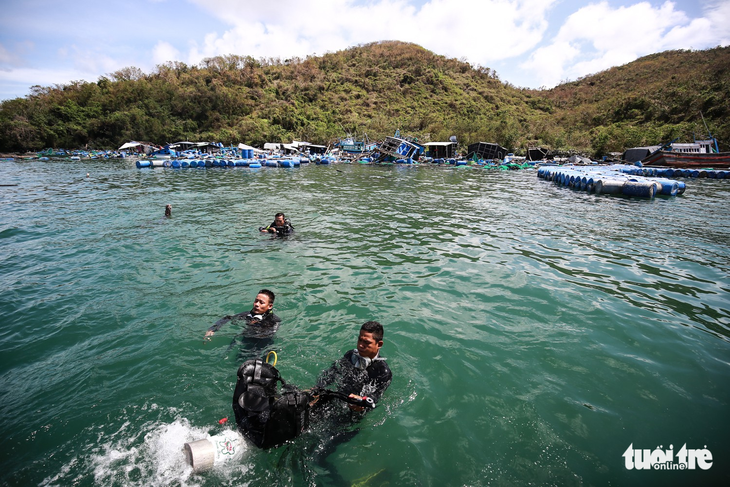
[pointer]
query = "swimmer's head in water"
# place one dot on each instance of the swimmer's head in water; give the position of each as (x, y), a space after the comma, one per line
(370, 339)
(264, 302)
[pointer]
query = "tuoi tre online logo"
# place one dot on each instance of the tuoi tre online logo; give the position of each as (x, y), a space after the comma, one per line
(658, 459)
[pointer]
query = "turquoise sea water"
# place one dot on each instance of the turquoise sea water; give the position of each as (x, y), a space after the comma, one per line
(534, 333)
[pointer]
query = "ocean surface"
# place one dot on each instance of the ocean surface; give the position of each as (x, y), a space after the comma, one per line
(535, 334)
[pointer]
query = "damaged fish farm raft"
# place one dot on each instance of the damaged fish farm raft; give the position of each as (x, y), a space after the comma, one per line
(612, 180)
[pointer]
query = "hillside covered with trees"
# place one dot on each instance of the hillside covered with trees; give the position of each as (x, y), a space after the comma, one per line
(373, 90)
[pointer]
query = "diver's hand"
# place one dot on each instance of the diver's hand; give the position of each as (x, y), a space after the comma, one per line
(353, 407)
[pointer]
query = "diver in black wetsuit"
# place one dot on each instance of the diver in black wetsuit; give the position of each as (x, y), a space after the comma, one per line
(280, 226)
(361, 372)
(261, 322)
(327, 413)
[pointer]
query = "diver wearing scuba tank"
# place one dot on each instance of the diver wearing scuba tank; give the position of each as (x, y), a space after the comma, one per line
(271, 412)
(280, 226)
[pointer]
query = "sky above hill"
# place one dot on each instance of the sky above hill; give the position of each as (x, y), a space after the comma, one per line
(529, 43)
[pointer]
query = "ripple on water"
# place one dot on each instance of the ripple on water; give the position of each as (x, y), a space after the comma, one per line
(534, 332)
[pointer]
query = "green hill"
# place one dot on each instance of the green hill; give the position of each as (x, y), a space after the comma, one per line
(654, 99)
(375, 89)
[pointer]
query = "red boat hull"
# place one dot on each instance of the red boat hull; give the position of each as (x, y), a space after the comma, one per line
(684, 159)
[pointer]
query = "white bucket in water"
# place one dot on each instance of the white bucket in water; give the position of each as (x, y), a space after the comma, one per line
(204, 454)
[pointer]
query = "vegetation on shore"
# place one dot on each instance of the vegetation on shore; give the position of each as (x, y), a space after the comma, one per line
(373, 90)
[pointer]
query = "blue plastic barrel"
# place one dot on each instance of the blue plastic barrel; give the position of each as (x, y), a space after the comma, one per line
(254, 164)
(175, 163)
(184, 163)
(583, 183)
(589, 185)
(667, 187)
(141, 164)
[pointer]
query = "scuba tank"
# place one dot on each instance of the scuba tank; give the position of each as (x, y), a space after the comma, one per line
(264, 415)
(269, 416)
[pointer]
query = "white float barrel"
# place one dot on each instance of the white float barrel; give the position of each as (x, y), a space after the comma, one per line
(609, 186)
(644, 189)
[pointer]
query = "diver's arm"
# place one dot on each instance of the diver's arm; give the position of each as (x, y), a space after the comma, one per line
(269, 228)
(380, 387)
(218, 324)
(327, 376)
(381, 378)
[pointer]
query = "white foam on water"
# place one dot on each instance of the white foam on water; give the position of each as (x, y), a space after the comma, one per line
(158, 460)
(152, 455)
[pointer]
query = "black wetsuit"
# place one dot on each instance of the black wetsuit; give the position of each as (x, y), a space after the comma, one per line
(257, 336)
(349, 378)
(257, 326)
(331, 420)
(284, 229)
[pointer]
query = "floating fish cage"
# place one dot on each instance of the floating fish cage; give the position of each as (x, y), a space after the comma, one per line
(204, 163)
(614, 180)
(671, 172)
